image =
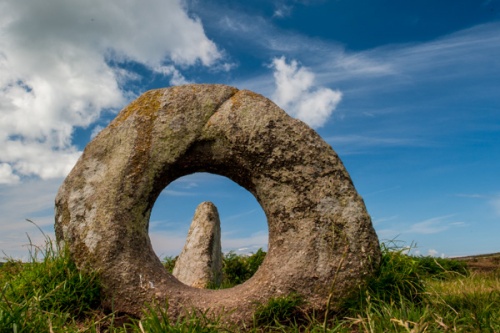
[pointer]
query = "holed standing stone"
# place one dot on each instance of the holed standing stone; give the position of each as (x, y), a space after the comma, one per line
(322, 244)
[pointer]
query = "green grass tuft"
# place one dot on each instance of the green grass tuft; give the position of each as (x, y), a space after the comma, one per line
(45, 293)
(284, 310)
(397, 281)
(408, 294)
(156, 320)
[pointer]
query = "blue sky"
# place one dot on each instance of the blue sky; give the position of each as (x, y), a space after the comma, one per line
(407, 93)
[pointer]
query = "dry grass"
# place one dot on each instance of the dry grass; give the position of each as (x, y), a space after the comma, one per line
(476, 283)
(488, 263)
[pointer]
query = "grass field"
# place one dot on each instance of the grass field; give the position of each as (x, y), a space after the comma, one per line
(409, 294)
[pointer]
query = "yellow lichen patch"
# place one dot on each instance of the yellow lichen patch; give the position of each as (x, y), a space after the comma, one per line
(238, 99)
(142, 113)
(146, 105)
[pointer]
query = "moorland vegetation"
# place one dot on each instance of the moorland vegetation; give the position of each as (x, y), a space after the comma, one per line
(408, 294)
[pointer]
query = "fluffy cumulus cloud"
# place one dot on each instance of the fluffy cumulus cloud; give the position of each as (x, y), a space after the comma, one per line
(176, 77)
(57, 72)
(6, 174)
(297, 94)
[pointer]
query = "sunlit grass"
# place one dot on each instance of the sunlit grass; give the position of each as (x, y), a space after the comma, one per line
(476, 283)
(46, 293)
(470, 303)
(408, 294)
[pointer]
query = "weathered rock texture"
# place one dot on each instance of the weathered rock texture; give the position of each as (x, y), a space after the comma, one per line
(200, 262)
(319, 230)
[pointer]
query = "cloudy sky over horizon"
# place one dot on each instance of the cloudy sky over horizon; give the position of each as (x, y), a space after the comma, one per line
(408, 95)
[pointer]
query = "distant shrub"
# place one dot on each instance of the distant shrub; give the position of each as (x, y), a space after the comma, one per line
(237, 269)
(169, 263)
(440, 268)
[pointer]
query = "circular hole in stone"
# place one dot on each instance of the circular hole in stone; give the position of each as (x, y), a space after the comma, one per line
(244, 229)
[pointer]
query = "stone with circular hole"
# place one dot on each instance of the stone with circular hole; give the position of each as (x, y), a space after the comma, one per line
(322, 244)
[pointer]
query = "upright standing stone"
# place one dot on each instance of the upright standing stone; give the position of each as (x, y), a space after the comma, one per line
(200, 262)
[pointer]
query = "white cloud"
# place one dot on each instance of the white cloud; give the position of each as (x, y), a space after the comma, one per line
(427, 227)
(435, 253)
(177, 78)
(432, 252)
(295, 93)
(495, 203)
(97, 129)
(254, 241)
(32, 200)
(384, 219)
(430, 226)
(355, 144)
(176, 193)
(492, 200)
(362, 65)
(167, 243)
(56, 72)
(282, 11)
(464, 57)
(6, 174)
